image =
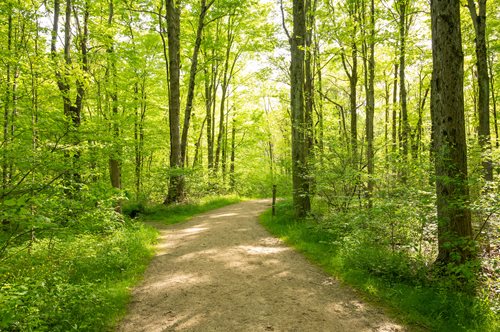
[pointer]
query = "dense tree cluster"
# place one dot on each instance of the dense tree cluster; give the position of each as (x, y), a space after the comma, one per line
(400, 74)
(380, 111)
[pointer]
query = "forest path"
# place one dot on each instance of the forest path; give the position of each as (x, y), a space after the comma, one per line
(222, 271)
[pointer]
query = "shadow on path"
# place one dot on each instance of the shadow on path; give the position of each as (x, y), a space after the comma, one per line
(222, 271)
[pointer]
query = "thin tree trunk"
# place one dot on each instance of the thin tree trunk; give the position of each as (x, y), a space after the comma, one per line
(224, 149)
(309, 81)
(192, 77)
(196, 158)
(208, 109)
(418, 129)
(479, 22)
(405, 126)
(386, 120)
(232, 176)
(6, 136)
(370, 106)
(137, 149)
(394, 110)
(353, 82)
(320, 135)
(114, 158)
(225, 84)
(494, 102)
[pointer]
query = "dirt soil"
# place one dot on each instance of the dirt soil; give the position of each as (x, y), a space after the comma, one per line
(222, 271)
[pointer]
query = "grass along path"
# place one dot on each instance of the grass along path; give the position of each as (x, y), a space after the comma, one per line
(79, 277)
(222, 271)
(422, 306)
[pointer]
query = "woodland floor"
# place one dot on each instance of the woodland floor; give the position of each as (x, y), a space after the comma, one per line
(222, 271)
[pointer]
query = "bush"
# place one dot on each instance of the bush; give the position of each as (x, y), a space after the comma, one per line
(73, 281)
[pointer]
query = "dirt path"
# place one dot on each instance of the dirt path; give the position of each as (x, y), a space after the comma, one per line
(222, 271)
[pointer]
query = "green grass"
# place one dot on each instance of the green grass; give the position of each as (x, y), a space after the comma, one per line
(419, 305)
(173, 214)
(74, 281)
(79, 277)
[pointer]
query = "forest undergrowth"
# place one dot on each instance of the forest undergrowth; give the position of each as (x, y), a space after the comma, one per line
(78, 275)
(352, 247)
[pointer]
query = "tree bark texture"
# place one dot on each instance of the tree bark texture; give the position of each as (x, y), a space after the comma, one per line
(301, 197)
(402, 4)
(447, 101)
(176, 185)
(370, 105)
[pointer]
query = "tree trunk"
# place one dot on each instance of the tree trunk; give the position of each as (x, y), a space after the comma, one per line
(394, 111)
(114, 159)
(370, 106)
(192, 78)
(176, 185)
(320, 134)
(494, 102)
(301, 195)
(405, 127)
(232, 175)
(479, 22)
(309, 82)
(224, 149)
(71, 112)
(225, 83)
(353, 82)
(418, 130)
(196, 158)
(208, 109)
(6, 136)
(447, 101)
(386, 120)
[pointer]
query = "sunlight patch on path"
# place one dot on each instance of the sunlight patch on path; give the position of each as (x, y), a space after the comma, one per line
(222, 271)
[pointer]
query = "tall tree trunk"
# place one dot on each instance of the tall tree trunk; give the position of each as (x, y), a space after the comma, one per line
(7, 101)
(114, 158)
(353, 82)
(176, 185)
(494, 102)
(447, 102)
(370, 105)
(137, 146)
(71, 112)
(320, 112)
(386, 119)
(226, 77)
(479, 22)
(309, 80)
(405, 127)
(192, 77)
(208, 109)
(301, 194)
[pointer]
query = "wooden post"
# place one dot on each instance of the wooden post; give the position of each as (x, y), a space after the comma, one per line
(274, 200)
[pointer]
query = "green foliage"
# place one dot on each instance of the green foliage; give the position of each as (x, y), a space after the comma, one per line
(73, 279)
(343, 245)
